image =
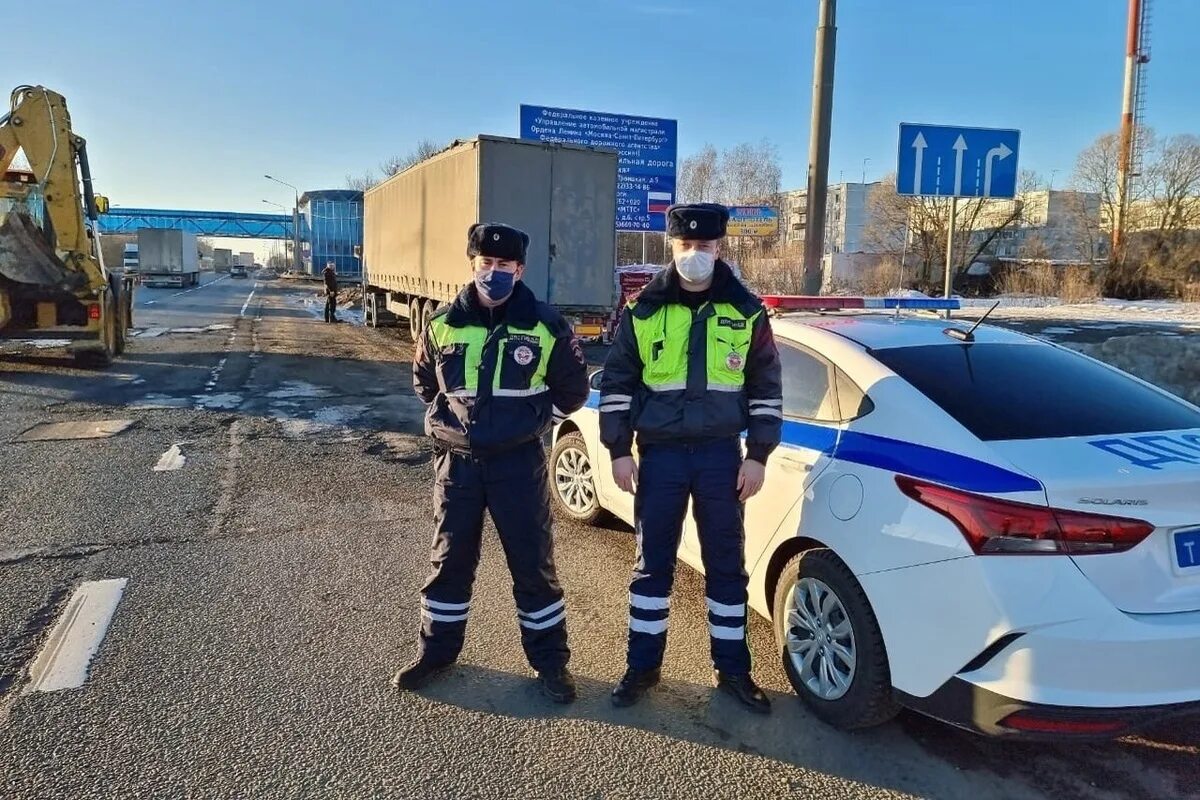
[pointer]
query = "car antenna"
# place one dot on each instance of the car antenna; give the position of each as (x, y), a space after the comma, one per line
(969, 334)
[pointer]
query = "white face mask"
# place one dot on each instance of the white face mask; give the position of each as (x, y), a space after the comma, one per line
(695, 266)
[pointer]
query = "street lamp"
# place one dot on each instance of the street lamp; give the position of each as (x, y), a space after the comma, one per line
(295, 221)
(865, 161)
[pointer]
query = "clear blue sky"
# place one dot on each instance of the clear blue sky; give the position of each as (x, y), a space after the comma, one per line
(188, 104)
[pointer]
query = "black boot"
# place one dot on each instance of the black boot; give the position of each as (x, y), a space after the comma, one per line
(633, 685)
(419, 673)
(745, 690)
(558, 684)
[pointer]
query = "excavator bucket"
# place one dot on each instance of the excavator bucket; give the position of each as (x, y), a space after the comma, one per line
(27, 258)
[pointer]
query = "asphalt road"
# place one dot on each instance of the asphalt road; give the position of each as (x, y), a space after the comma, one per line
(272, 590)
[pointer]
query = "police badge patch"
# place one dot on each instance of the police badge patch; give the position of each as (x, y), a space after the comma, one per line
(523, 356)
(734, 361)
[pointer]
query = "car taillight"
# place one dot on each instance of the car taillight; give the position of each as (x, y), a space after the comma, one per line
(93, 311)
(999, 527)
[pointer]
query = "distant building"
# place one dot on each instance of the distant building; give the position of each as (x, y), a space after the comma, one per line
(1057, 226)
(847, 254)
(846, 216)
(332, 221)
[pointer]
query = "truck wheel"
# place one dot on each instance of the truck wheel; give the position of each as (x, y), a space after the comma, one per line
(414, 319)
(830, 643)
(102, 355)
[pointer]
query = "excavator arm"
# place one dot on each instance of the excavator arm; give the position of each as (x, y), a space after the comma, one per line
(63, 252)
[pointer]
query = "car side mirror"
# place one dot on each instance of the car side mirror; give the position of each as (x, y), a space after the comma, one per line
(594, 381)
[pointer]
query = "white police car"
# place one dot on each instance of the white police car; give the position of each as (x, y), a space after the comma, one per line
(997, 531)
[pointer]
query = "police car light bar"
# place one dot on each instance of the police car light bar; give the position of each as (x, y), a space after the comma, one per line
(794, 302)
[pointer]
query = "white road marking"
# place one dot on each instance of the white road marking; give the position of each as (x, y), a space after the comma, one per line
(216, 374)
(246, 304)
(64, 659)
(171, 460)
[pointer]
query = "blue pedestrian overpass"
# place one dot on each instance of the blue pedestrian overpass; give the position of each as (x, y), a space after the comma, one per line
(233, 224)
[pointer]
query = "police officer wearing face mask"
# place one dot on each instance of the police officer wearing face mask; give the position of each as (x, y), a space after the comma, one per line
(693, 366)
(494, 369)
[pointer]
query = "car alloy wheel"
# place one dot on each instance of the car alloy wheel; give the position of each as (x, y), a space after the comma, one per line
(820, 639)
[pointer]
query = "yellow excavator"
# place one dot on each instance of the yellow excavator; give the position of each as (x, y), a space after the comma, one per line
(53, 282)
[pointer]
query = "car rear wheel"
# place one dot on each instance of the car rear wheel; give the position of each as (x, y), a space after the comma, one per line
(830, 643)
(573, 482)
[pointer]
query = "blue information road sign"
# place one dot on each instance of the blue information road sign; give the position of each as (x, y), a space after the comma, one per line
(646, 166)
(945, 161)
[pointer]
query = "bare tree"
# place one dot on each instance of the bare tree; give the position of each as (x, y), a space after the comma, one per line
(1173, 181)
(423, 150)
(917, 228)
(750, 173)
(361, 182)
(397, 163)
(700, 177)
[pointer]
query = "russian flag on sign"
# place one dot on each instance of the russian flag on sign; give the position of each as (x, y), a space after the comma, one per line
(658, 202)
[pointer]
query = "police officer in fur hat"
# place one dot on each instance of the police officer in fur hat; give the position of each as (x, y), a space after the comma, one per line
(495, 369)
(694, 365)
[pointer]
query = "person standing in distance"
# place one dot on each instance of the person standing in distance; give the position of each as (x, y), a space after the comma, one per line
(494, 369)
(694, 365)
(331, 290)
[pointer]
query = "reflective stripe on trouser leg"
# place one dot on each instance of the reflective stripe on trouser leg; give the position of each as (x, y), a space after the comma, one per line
(719, 522)
(458, 503)
(518, 496)
(659, 508)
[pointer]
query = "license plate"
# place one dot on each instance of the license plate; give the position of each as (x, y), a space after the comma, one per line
(1187, 548)
(588, 330)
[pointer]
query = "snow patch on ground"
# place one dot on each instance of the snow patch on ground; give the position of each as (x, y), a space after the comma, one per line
(171, 460)
(226, 401)
(1141, 312)
(316, 307)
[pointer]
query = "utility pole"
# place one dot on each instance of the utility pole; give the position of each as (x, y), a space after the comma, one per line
(818, 145)
(1134, 58)
(295, 222)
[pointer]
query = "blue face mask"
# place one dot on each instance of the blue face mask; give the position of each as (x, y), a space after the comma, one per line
(494, 284)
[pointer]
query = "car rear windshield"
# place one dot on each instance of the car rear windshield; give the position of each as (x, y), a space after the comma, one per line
(1025, 391)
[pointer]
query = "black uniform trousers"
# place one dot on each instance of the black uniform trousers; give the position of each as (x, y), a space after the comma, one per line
(514, 487)
(330, 306)
(670, 474)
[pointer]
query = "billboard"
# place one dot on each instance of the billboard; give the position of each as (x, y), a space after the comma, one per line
(647, 146)
(752, 221)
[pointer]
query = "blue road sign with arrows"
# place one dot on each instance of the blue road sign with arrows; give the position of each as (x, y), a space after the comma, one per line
(945, 161)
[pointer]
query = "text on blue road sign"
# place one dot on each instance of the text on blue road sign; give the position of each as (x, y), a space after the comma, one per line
(648, 149)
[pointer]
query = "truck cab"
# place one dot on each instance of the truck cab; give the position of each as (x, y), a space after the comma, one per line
(129, 258)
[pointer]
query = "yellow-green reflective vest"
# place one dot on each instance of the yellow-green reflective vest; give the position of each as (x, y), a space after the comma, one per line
(523, 355)
(663, 338)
